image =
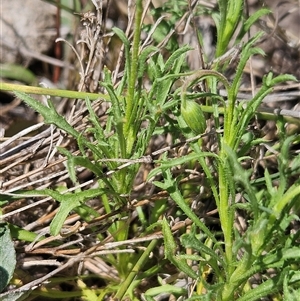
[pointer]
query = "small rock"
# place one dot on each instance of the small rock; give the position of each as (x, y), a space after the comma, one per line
(27, 30)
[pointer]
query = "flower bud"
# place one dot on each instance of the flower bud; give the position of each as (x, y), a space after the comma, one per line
(193, 116)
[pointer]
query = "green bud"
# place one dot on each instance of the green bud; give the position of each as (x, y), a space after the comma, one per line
(193, 116)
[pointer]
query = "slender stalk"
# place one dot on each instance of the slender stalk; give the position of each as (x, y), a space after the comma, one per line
(52, 92)
(225, 214)
(134, 65)
(135, 270)
(261, 113)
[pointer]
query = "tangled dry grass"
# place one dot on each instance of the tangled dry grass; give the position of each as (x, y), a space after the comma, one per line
(30, 160)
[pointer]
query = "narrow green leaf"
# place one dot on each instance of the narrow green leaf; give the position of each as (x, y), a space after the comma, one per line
(282, 78)
(49, 113)
(280, 256)
(179, 161)
(17, 72)
(175, 56)
(121, 35)
(142, 59)
(154, 71)
(190, 241)
(170, 249)
(21, 234)
(253, 18)
(242, 176)
(167, 288)
(61, 215)
(70, 163)
(171, 186)
(264, 289)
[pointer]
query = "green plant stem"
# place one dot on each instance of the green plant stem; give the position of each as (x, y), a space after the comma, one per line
(135, 270)
(261, 113)
(52, 92)
(134, 66)
(237, 277)
(225, 213)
